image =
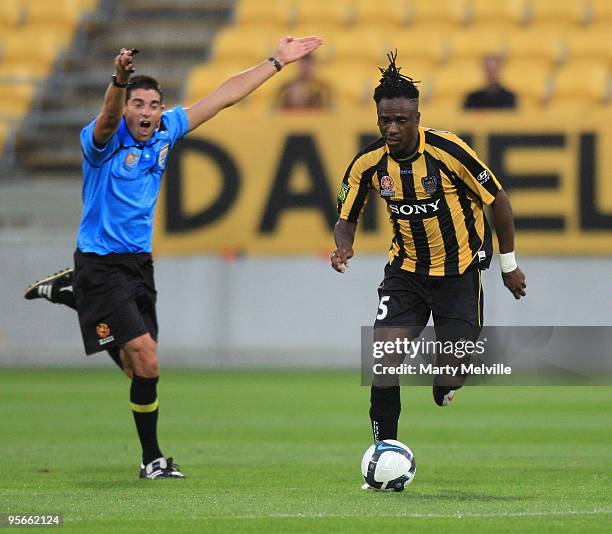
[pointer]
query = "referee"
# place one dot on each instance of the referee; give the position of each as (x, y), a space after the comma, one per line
(435, 187)
(125, 151)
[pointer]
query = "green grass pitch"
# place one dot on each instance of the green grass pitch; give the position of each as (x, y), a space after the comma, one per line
(280, 452)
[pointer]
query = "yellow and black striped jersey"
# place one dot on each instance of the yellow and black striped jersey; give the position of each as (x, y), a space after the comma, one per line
(434, 199)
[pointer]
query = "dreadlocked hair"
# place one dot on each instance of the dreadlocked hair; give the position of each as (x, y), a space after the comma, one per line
(394, 84)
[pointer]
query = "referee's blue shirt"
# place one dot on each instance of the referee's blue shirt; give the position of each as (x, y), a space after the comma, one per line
(121, 183)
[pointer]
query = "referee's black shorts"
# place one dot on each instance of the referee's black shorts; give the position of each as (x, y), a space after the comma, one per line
(115, 298)
(408, 299)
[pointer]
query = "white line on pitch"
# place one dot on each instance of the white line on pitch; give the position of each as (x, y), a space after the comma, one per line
(457, 515)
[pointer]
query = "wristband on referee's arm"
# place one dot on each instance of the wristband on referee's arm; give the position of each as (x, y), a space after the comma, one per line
(276, 63)
(507, 262)
(117, 83)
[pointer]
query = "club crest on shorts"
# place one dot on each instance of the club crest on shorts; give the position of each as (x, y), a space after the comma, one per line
(387, 186)
(103, 332)
(430, 184)
(163, 155)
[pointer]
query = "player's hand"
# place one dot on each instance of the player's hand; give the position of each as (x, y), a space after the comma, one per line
(291, 49)
(124, 64)
(515, 282)
(340, 257)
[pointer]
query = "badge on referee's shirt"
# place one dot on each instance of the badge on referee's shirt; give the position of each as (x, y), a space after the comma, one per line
(163, 154)
(130, 159)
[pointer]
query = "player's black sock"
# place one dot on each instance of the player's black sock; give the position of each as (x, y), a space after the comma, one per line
(114, 354)
(385, 407)
(143, 399)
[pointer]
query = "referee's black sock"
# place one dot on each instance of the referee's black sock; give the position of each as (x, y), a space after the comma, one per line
(66, 298)
(385, 408)
(143, 399)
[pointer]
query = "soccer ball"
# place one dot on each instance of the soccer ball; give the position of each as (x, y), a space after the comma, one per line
(388, 465)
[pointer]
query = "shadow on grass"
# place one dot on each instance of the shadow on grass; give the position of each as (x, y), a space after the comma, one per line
(464, 496)
(130, 484)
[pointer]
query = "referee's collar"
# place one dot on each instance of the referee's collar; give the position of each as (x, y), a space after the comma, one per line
(419, 150)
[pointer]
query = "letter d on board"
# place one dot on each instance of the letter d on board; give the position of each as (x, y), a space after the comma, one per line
(176, 220)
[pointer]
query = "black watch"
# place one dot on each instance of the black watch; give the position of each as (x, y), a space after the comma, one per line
(117, 83)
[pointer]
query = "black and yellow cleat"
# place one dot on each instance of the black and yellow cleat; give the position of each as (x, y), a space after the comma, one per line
(56, 288)
(160, 468)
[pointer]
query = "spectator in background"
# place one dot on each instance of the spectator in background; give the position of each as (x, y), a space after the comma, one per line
(494, 95)
(305, 91)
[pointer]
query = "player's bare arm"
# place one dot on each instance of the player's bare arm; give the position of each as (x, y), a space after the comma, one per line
(241, 85)
(514, 280)
(344, 234)
(109, 118)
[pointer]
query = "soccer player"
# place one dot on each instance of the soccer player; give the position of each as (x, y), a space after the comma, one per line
(125, 151)
(435, 187)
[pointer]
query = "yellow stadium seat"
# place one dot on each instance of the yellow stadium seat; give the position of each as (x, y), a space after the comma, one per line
(15, 99)
(358, 47)
(244, 46)
(273, 13)
(435, 14)
(35, 42)
(89, 5)
(204, 79)
(590, 45)
(530, 44)
(353, 87)
(452, 84)
(353, 79)
(337, 13)
(390, 13)
(599, 14)
(468, 44)
(12, 14)
(581, 83)
(487, 14)
(16, 70)
(529, 79)
(54, 13)
(563, 15)
(415, 45)
(31, 52)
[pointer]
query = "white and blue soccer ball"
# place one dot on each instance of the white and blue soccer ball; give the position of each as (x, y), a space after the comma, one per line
(388, 465)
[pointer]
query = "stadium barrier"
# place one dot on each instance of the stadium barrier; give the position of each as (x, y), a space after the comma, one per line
(263, 183)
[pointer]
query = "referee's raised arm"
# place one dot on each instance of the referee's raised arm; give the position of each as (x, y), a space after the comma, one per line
(109, 118)
(241, 85)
